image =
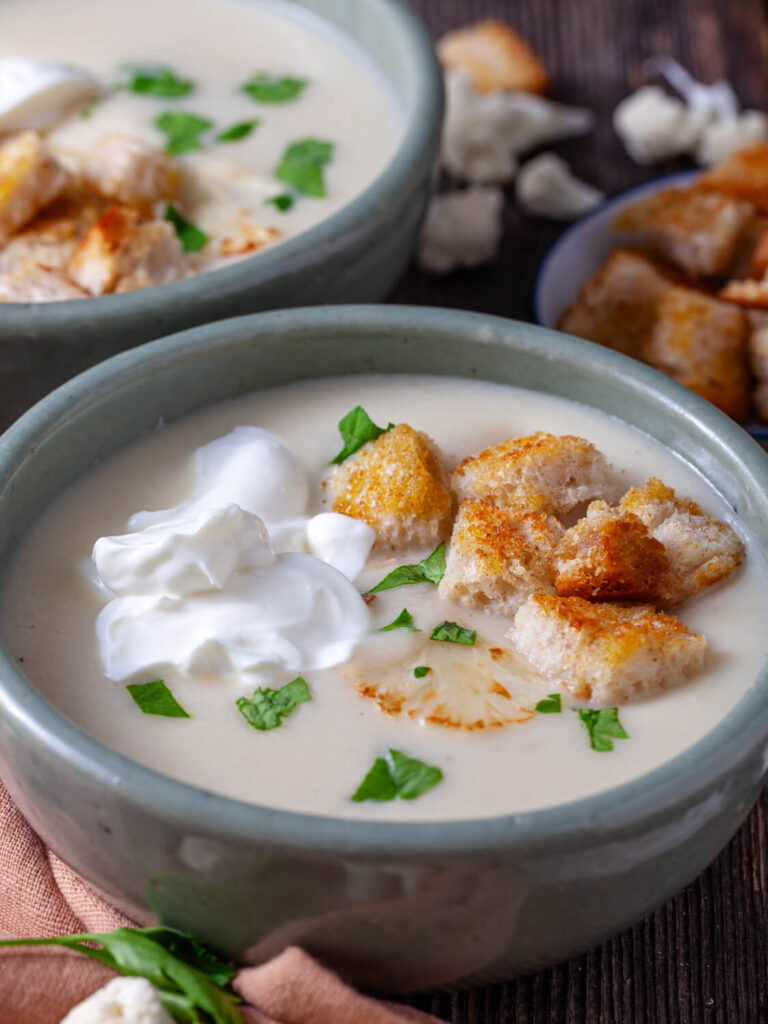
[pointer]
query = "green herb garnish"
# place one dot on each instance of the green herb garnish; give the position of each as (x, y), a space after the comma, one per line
(183, 131)
(403, 621)
(550, 705)
(156, 80)
(192, 238)
(428, 570)
(453, 633)
(267, 88)
(397, 775)
(238, 131)
(603, 726)
(156, 699)
(356, 429)
(421, 670)
(302, 166)
(269, 707)
(283, 202)
(189, 978)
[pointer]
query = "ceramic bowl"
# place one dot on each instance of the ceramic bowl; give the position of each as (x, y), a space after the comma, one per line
(356, 255)
(393, 906)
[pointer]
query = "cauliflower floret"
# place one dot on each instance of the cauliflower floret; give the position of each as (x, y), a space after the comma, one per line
(655, 126)
(545, 187)
(493, 56)
(30, 178)
(462, 229)
(720, 139)
(122, 1001)
(131, 172)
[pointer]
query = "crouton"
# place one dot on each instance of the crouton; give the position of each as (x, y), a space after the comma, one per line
(122, 253)
(494, 57)
(747, 293)
(564, 470)
(759, 262)
(744, 175)
(758, 353)
(30, 178)
(603, 652)
(247, 236)
(610, 556)
(701, 549)
(51, 238)
(693, 230)
(702, 343)
(131, 172)
(396, 484)
(617, 305)
(37, 284)
(749, 254)
(495, 562)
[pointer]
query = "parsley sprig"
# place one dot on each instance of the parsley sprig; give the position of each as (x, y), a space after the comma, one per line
(268, 88)
(356, 429)
(269, 707)
(453, 633)
(403, 621)
(397, 775)
(603, 726)
(156, 699)
(191, 237)
(552, 704)
(428, 570)
(183, 131)
(302, 166)
(156, 80)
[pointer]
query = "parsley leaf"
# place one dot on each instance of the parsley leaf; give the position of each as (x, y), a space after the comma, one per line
(603, 726)
(192, 238)
(238, 131)
(188, 976)
(397, 776)
(403, 621)
(356, 429)
(428, 570)
(183, 131)
(421, 670)
(156, 80)
(266, 88)
(156, 699)
(453, 633)
(302, 166)
(269, 707)
(283, 202)
(550, 705)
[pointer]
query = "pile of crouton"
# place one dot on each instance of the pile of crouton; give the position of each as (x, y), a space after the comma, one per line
(532, 537)
(692, 298)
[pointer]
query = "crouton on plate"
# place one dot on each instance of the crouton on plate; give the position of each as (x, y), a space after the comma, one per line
(30, 178)
(494, 57)
(604, 652)
(130, 172)
(743, 175)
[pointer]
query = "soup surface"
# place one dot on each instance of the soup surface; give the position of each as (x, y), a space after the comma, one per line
(315, 761)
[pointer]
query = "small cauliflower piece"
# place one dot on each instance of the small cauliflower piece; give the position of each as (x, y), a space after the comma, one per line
(494, 57)
(122, 1001)
(396, 484)
(701, 550)
(122, 253)
(744, 175)
(37, 284)
(655, 126)
(30, 178)
(130, 172)
(462, 229)
(545, 187)
(565, 470)
(722, 137)
(495, 562)
(610, 556)
(603, 652)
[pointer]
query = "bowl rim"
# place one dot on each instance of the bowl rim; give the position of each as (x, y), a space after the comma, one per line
(421, 112)
(689, 776)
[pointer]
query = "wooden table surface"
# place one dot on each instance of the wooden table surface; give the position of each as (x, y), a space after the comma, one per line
(703, 958)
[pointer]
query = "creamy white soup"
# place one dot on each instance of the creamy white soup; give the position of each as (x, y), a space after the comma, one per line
(318, 756)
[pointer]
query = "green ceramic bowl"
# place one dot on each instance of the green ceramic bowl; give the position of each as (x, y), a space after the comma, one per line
(356, 255)
(391, 905)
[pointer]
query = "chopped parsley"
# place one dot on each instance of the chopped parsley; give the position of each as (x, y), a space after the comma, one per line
(156, 699)
(453, 633)
(356, 429)
(192, 238)
(603, 726)
(421, 670)
(397, 775)
(267, 88)
(157, 80)
(550, 705)
(403, 621)
(238, 131)
(428, 570)
(283, 202)
(269, 707)
(183, 130)
(302, 166)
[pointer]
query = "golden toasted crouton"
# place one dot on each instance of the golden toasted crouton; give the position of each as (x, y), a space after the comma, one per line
(701, 550)
(50, 239)
(617, 305)
(397, 485)
(122, 253)
(743, 175)
(37, 284)
(564, 470)
(30, 178)
(131, 172)
(747, 293)
(759, 261)
(495, 562)
(610, 556)
(702, 343)
(494, 57)
(604, 652)
(247, 236)
(749, 253)
(693, 230)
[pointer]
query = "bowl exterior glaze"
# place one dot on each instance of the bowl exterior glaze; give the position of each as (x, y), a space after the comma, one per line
(392, 906)
(356, 255)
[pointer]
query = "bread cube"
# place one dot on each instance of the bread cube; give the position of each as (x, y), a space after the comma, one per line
(397, 485)
(746, 293)
(744, 175)
(37, 284)
(494, 57)
(30, 178)
(131, 172)
(495, 562)
(559, 472)
(758, 352)
(605, 653)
